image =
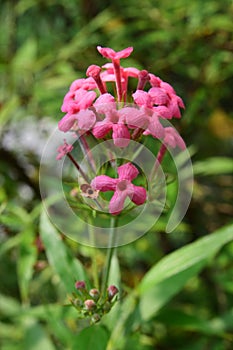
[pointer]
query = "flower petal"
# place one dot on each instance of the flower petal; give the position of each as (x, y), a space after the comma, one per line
(105, 103)
(139, 196)
(163, 112)
(86, 119)
(104, 183)
(173, 139)
(117, 201)
(120, 135)
(154, 127)
(113, 55)
(66, 123)
(101, 129)
(134, 117)
(84, 98)
(124, 53)
(142, 98)
(127, 172)
(159, 97)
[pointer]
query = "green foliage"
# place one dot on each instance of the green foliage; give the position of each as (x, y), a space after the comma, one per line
(177, 289)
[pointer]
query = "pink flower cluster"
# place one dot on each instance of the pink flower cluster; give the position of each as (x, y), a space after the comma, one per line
(91, 108)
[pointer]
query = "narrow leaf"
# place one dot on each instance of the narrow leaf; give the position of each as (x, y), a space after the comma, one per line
(67, 267)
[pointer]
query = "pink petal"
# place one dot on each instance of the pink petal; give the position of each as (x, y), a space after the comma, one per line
(66, 123)
(131, 72)
(127, 172)
(124, 53)
(134, 117)
(104, 183)
(86, 119)
(155, 128)
(101, 129)
(167, 87)
(85, 84)
(180, 102)
(163, 112)
(139, 196)
(142, 98)
(113, 55)
(173, 139)
(154, 81)
(117, 201)
(63, 150)
(84, 98)
(120, 135)
(106, 52)
(105, 103)
(159, 97)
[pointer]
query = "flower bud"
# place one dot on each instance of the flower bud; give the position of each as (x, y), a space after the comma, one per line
(95, 318)
(107, 306)
(112, 291)
(94, 293)
(80, 285)
(89, 304)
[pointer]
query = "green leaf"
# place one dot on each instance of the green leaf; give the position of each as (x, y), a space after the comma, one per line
(163, 281)
(213, 166)
(168, 276)
(8, 109)
(68, 268)
(36, 338)
(25, 263)
(95, 337)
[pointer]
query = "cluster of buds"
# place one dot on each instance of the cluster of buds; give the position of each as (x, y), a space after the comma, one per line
(91, 304)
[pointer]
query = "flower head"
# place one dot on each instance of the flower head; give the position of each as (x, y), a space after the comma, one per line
(122, 187)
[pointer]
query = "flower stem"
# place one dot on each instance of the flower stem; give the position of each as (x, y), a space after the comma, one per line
(94, 257)
(87, 152)
(158, 161)
(117, 71)
(77, 166)
(110, 252)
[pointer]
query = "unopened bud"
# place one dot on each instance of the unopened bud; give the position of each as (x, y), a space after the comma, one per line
(112, 291)
(94, 293)
(80, 285)
(89, 304)
(95, 318)
(107, 306)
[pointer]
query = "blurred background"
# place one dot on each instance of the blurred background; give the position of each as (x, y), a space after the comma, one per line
(44, 46)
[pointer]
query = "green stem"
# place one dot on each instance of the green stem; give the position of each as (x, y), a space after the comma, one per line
(93, 256)
(110, 252)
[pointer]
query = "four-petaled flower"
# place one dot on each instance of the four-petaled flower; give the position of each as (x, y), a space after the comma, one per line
(122, 187)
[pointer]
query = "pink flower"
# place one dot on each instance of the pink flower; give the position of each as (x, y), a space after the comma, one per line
(75, 102)
(173, 139)
(83, 121)
(63, 150)
(85, 84)
(143, 118)
(113, 55)
(122, 187)
(113, 120)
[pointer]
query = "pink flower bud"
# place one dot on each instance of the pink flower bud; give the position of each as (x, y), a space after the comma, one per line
(89, 304)
(94, 293)
(80, 285)
(112, 291)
